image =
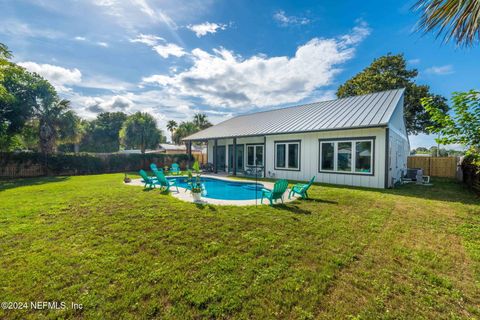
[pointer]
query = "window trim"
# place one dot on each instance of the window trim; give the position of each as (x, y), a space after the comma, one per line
(287, 142)
(353, 140)
(254, 145)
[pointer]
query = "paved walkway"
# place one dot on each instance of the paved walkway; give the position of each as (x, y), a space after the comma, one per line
(185, 195)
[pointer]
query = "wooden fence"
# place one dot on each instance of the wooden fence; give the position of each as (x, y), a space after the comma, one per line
(447, 167)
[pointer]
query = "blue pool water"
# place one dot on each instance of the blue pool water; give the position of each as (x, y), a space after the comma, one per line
(225, 190)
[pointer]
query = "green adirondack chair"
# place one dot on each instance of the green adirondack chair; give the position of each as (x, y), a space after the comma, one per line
(164, 182)
(279, 189)
(301, 189)
(175, 169)
(147, 180)
(154, 168)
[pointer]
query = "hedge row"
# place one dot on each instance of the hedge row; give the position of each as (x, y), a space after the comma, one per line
(86, 163)
(471, 175)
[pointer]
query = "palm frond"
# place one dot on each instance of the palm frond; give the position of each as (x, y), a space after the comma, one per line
(454, 19)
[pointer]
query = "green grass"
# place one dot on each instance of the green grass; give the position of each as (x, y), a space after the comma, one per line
(121, 252)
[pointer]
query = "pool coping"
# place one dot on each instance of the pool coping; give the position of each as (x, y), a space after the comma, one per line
(185, 195)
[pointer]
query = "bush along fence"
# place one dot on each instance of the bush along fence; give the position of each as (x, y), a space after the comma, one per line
(471, 175)
(16, 165)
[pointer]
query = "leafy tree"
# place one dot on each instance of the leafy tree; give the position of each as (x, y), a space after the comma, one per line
(171, 126)
(201, 121)
(51, 115)
(390, 72)
(458, 20)
(140, 131)
(72, 129)
(463, 127)
(21, 94)
(184, 130)
(102, 134)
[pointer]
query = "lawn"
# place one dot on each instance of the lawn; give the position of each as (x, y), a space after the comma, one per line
(121, 252)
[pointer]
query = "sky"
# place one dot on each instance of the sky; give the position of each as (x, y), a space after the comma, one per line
(174, 58)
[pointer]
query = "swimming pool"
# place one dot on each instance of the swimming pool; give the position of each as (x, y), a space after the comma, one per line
(225, 190)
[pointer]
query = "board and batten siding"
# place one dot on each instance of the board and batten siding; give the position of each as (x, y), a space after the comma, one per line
(310, 157)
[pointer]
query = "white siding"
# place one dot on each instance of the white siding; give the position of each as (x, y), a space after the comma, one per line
(309, 158)
(399, 146)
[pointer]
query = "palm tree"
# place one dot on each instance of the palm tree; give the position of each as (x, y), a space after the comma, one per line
(185, 129)
(50, 114)
(457, 19)
(201, 121)
(171, 126)
(72, 129)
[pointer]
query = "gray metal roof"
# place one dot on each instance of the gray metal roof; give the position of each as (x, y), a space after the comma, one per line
(370, 110)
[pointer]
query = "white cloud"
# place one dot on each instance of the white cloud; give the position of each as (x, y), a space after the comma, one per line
(148, 39)
(59, 77)
(169, 49)
(203, 28)
(440, 70)
(102, 44)
(80, 38)
(159, 45)
(285, 20)
(16, 28)
(63, 78)
(414, 61)
(226, 80)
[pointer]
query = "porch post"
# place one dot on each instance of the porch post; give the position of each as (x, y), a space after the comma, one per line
(234, 156)
(215, 151)
(189, 152)
(264, 156)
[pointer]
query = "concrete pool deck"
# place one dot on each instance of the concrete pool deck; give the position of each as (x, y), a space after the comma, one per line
(185, 195)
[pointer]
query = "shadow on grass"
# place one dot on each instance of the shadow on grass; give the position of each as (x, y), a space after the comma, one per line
(21, 182)
(203, 206)
(293, 208)
(318, 200)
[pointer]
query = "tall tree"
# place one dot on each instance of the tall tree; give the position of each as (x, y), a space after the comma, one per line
(201, 121)
(140, 131)
(454, 19)
(21, 93)
(463, 127)
(390, 72)
(184, 130)
(51, 117)
(102, 134)
(171, 126)
(72, 129)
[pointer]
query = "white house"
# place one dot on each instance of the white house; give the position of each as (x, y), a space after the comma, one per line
(357, 141)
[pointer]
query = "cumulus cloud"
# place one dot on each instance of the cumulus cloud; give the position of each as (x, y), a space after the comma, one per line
(63, 78)
(285, 20)
(102, 44)
(224, 79)
(60, 77)
(160, 46)
(78, 38)
(440, 70)
(203, 29)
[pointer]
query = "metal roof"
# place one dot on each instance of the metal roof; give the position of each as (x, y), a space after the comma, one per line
(370, 110)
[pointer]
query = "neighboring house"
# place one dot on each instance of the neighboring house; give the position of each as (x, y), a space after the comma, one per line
(172, 148)
(358, 141)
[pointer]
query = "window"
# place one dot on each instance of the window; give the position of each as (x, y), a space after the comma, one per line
(354, 156)
(327, 155)
(344, 156)
(255, 155)
(363, 156)
(287, 155)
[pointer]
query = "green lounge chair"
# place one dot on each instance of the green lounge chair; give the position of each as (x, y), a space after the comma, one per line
(175, 169)
(301, 189)
(164, 182)
(279, 189)
(154, 167)
(147, 180)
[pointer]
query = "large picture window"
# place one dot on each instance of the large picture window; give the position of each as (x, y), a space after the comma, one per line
(287, 155)
(255, 155)
(353, 156)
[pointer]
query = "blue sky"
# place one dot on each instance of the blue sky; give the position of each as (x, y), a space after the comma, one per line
(174, 58)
